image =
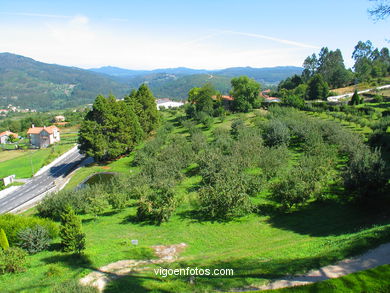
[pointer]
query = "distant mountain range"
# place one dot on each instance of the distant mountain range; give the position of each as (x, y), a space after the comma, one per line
(31, 84)
(176, 82)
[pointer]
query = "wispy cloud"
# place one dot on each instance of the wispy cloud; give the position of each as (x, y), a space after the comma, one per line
(251, 35)
(258, 36)
(35, 14)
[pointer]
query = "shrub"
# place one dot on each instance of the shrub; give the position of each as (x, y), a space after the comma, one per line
(3, 240)
(34, 239)
(73, 286)
(12, 260)
(96, 201)
(225, 198)
(277, 133)
(53, 206)
(365, 175)
(157, 205)
(237, 126)
(118, 200)
(13, 224)
(72, 238)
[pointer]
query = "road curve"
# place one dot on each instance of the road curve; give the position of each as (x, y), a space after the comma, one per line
(39, 184)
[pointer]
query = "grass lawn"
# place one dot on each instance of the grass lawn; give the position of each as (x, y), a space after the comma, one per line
(259, 247)
(373, 280)
(24, 163)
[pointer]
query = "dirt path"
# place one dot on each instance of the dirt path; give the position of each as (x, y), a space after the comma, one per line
(115, 270)
(371, 259)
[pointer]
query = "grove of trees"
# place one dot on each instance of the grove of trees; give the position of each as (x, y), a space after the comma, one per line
(113, 128)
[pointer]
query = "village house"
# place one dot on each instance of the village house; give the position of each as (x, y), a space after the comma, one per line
(167, 103)
(59, 118)
(42, 137)
(4, 136)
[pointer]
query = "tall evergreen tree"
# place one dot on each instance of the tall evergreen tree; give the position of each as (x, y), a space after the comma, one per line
(72, 237)
(317, 88)
(109, 130)
(143, 103)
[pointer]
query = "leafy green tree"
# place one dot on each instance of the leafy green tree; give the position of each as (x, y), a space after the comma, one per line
(245, 92)
(276, 134)
(310, 67)
(3, 240)
(72, 238)
(157, 205)
(317, 88)
(201, 97)
(365, 176)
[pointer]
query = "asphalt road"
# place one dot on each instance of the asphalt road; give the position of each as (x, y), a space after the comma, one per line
(39, 184)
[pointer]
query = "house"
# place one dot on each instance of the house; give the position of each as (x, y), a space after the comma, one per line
(4, 136)
(42, 137)
(226, 100)
(167, 103)
(59, 118)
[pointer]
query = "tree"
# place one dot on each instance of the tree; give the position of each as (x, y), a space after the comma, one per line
(381, 10)
(201, 97)
(245, 92)
(157, 205)
(276, 134)
(310, 67)
(143, 103)
(365, 175)
(109, 130)
(72, 238)
(355, 100)
(3, 240)
(317, 88)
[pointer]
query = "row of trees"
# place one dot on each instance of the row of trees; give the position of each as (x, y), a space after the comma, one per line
(112, 128)
(327, 71)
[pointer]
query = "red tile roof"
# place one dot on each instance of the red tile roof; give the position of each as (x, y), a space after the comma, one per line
(8, 133)
(37, 130)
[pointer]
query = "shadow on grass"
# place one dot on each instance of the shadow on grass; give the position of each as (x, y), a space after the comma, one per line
(73, 261)
(132, 283)
(327, 218)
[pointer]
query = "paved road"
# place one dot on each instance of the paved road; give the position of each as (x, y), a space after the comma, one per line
(347, 95)
(39, 184)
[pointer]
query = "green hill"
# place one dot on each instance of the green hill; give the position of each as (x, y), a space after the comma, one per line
(31, 84)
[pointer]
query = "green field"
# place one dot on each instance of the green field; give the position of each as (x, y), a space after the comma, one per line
(25, 163)
(259, 247)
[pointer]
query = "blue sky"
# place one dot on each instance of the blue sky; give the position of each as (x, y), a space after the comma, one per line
(199, 34)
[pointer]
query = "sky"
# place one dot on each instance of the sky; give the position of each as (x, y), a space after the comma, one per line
(202, 34)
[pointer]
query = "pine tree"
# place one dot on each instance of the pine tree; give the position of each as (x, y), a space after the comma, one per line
(109, 130)
(355, 100)
(144, 105)
(72, 238)
(3, 240)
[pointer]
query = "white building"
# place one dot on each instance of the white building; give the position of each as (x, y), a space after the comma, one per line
(167, 103)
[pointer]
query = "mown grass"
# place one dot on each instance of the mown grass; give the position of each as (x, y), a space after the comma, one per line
(373, 280)
(259, 247)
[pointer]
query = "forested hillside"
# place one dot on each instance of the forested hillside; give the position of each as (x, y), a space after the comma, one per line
(31, 84)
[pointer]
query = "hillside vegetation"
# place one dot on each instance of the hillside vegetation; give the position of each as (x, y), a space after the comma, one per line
(31, 84)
